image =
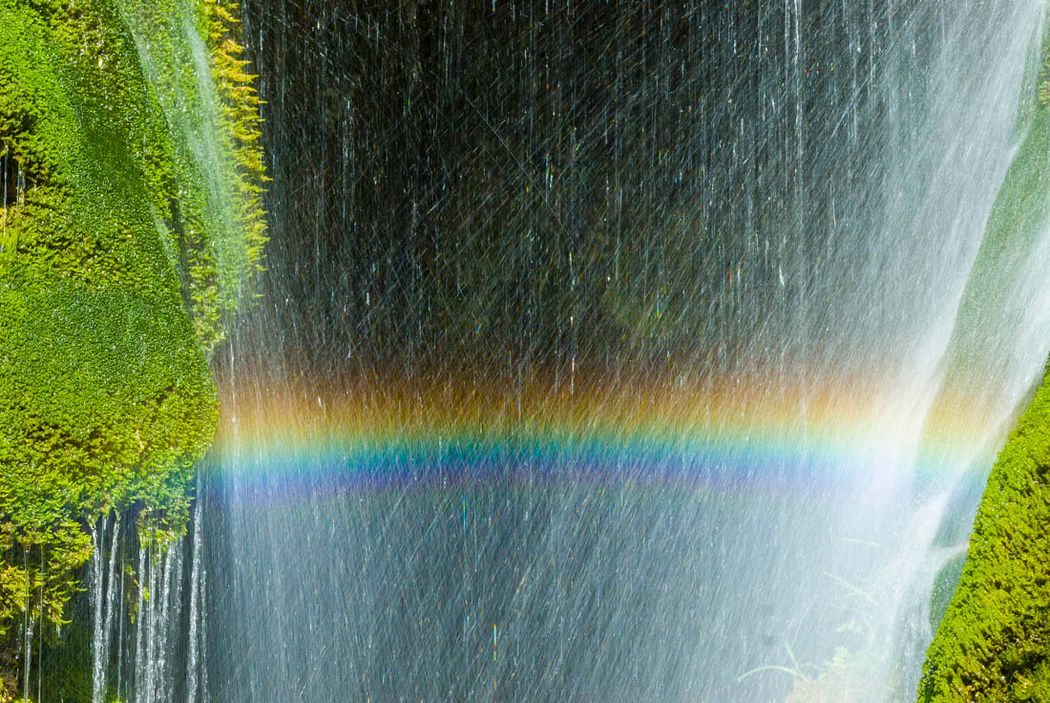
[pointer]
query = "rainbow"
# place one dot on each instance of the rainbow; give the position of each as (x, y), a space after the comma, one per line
(368, 436)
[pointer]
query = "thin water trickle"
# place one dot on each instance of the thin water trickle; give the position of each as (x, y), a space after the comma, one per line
(104, 577)
(196, 683)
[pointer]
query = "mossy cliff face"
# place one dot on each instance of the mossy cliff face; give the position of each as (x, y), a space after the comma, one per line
(125, 248)
(993, 643)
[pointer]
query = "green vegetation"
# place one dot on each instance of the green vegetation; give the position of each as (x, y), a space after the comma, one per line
(127, 241)
(994, 641)
(211, 181)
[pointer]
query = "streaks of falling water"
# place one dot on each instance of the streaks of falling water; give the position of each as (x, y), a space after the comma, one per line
(196, 674)
(27, 631)
(771, 197)
(162, 659)
(152, 671)
(104, 592)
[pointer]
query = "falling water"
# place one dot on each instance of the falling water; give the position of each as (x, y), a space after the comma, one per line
(613, 352)
(160, 660)
(103, 591)
(196, 674)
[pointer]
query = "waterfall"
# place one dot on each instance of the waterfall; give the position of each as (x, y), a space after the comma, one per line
(196, 673)
(621, 353)
(160, 659)
(606, 351)
(104, 594)
(613, 351)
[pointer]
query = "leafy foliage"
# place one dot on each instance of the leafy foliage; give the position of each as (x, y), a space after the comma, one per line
(994, 641)
(116, 279)
(216, 226)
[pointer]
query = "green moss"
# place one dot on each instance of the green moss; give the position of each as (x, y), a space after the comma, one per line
(994, 641)
(216, 227)
(124, 249)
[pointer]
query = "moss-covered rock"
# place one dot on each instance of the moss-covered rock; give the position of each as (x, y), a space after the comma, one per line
(994, 641)
(124, 250)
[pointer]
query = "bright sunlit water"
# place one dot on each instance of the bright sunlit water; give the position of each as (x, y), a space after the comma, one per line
(617, 352)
